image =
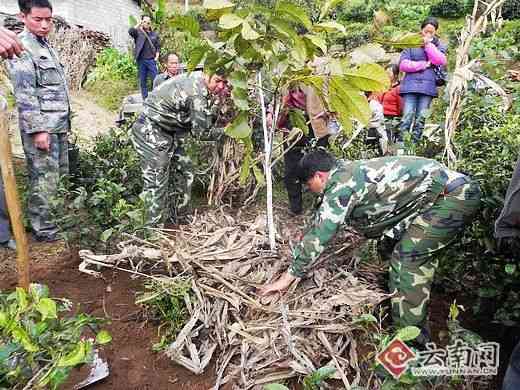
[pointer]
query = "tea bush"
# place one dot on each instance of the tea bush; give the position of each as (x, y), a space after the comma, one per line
(39, 344)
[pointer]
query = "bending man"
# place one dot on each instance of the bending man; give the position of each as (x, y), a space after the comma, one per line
(176, 109)
(417, 203)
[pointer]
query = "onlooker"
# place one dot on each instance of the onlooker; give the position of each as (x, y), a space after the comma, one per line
(42, 97)
(304, 99)
(172, 69)
(376, 131)
(10, 45)
(392, 103)
(419, 85)
(147, 48)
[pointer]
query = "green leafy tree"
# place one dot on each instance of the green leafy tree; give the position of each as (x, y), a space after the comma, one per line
(265, 50)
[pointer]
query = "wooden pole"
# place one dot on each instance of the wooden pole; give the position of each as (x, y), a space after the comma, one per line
(12, 200)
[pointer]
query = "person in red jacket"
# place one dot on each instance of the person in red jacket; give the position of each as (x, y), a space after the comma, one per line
(392, 103)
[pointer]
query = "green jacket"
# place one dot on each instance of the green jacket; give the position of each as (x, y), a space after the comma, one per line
(376, 197)
(181, 104)
(40, 87)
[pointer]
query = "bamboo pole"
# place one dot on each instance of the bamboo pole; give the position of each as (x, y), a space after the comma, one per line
(12, 200)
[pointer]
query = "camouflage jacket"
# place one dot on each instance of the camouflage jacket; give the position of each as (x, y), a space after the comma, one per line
(376, 197)
(40, 87)
(181, 104)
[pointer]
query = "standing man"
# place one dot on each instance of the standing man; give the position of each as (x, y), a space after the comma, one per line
(179, 107)
(172, 69)
(147, 48)
(42, 97)
(417, 203)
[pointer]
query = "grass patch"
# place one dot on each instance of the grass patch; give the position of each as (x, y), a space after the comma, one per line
(109, 94)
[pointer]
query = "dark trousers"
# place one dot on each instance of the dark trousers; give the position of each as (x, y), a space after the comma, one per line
(5, 226)
(291, 159)
(147, 69)
(512, 378)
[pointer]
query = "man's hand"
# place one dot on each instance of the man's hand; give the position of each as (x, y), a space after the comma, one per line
(9, 44)
(42, 141)
(280, 285)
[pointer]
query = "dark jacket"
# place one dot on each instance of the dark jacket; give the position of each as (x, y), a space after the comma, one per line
(422, 79)
(139, 38)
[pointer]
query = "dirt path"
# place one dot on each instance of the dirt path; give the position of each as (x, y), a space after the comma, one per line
(88, 120)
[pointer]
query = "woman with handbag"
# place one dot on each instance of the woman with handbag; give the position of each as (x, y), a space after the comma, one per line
(424, 69)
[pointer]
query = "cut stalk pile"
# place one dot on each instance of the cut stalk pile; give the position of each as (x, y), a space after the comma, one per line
(254, 340)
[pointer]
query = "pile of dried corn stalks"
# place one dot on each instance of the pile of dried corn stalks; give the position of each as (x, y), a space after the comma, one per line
(259, 340)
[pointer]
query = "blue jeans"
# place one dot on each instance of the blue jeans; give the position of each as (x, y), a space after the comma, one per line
(414, 114)
(147, 68)
(512, 378)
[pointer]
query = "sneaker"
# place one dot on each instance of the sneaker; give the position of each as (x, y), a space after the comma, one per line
(11, 244)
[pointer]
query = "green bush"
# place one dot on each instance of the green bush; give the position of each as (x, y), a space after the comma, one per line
(113, 65)
(39, 344)
(101, 200)
(487, 146)
(449, 9)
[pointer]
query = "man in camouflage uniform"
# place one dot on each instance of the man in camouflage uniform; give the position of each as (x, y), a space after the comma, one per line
(179, 107)
(416, 202)
(42, 98)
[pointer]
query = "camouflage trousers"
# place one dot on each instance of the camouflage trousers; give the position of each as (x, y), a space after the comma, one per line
(44, 170)
(167, 172)
(413, 262)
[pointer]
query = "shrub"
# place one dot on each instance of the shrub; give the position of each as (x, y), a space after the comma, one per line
(449, 9)
(101, 200)
(487, 146)
(113, 65)
(37, 343)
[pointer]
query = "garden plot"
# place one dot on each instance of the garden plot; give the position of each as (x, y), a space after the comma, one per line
(253, 340)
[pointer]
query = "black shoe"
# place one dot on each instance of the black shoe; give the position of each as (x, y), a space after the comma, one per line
(46, 238)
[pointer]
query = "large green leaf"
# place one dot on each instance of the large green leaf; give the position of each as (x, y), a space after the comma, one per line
(369, 77)
(299, 53)
(77, 356)
(239, 128)
(47, 308)
(196, 56)
(297, 120)
(103, 337)
(230, 21)
(238, 79)
(404, 41)
(348, 102)
(318, 41)
(21, 336)
(22, 299)
(132, 21)
(408, 333)
(327, 6)
(240, 98)
(285, 29)
(186, 23)
(295, 13)
(248, 33)
(217, 4)
(330, 27)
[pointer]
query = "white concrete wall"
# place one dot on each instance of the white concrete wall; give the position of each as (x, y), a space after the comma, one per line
(109, 16)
